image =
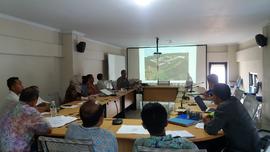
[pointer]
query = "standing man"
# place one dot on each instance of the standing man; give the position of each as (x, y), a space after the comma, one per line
(122, 82)
(232, 117)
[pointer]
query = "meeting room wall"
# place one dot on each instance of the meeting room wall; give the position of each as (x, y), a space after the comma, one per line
(217, 53)
(249, 57)
(30, 51)
(94, 60)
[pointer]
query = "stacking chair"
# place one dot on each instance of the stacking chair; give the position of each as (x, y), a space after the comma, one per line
(251, 105)
(149, 149)
(49, 144)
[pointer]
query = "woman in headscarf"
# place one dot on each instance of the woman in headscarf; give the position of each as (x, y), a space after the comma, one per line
(73, 92)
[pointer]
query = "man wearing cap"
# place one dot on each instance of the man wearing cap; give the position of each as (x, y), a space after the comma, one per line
(232, 117)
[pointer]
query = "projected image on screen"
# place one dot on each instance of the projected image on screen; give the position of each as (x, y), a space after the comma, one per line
(169, 63)
(174, 63)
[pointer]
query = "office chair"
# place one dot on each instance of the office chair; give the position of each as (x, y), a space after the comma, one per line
(251, 105)
(149, 149)
(239, 94)
(49, 144)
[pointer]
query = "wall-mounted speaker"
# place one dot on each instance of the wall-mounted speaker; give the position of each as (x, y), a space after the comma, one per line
(81, 47)
(261, 40)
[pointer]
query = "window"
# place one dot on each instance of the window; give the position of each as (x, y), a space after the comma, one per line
(220, 69)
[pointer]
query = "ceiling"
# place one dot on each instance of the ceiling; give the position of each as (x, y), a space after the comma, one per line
(123, 23)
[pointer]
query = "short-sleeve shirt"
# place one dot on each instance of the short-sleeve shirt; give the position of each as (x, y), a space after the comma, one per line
(164, 142)
(19, 126)
(103, 140)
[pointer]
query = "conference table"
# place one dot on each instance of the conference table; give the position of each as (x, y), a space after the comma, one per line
(160, 92)
(125, 141)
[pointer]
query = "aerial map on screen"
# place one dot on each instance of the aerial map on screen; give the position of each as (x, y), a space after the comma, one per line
(172, 66)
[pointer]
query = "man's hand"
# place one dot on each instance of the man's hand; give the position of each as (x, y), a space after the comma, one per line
(206, 118)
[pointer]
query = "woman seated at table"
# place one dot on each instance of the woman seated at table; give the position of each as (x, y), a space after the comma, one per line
(92, 89)
(73, 92)
(92, 117)
(154, 118)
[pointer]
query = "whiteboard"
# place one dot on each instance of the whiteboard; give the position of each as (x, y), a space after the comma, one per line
(116, 64)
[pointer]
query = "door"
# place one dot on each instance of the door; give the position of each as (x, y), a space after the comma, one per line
(220, 69)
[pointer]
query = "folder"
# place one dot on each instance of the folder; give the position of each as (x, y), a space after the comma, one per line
(182, 122)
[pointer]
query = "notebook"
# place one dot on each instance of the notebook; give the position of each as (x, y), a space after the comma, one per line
(182, 122)
(202, 105)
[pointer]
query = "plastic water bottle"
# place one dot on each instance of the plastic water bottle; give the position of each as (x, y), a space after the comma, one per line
(53, 109)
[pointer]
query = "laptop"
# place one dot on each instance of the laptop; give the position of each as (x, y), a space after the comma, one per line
(202, 105)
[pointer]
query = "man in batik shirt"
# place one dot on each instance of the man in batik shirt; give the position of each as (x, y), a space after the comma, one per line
(21, 123)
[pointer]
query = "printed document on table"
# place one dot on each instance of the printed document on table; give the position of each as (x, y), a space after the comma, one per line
(180, 133)
(132, 129)
(59, 121)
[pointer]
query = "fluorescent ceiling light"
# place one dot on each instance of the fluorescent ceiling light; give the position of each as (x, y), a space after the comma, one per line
(143, 2)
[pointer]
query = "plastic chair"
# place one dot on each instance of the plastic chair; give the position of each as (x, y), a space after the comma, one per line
(50, 144)
(251, 105)
(149, 149)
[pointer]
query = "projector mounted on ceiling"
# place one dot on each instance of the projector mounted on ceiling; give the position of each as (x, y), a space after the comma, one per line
(157, 53)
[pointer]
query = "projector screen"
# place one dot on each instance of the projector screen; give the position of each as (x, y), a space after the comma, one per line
(116, 63)
(174, 64)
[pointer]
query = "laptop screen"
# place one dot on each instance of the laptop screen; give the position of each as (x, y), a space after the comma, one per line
(200, 103)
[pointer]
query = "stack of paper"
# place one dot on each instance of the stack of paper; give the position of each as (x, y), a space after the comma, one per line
(138, 129)
(132, 129)
(59, 121)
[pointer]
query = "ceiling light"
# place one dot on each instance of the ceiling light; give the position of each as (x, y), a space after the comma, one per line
(143, 2)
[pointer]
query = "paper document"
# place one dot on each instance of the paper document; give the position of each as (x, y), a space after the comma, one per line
(200, 125)
(69, 106)
(132, 129)
(106, 92)
(59, 121)
(180, 133)
(138, 129)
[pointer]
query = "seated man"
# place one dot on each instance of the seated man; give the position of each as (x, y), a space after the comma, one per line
(22, 122)
(101, 83)
(15, 88)
(122, 82)
(232, 117)
(91, 115)
(154, 119)
(212, 80)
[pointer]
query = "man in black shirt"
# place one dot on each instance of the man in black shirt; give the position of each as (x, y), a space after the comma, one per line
(232, 117)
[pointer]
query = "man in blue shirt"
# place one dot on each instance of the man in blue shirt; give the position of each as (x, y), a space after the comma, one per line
(91, 115)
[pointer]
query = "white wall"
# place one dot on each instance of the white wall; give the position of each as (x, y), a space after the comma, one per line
(30, 52)
(94, 59)
(266, 80)
(250, 60)
(42, 56)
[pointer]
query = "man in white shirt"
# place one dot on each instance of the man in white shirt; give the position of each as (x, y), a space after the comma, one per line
(15, 88)
(101, 83)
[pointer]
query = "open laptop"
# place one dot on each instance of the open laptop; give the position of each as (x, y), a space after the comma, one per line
(202, 105)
